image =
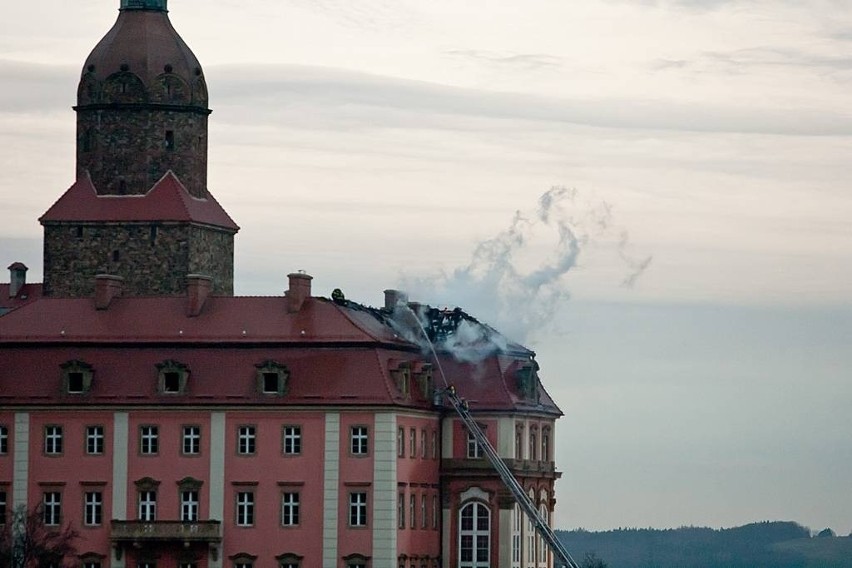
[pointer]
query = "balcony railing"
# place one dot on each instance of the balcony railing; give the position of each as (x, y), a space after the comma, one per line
(140, 531)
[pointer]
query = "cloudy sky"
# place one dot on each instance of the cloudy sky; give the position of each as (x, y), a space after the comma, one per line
(652, 194)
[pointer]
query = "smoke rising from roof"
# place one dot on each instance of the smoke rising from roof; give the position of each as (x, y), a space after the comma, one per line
(516, 280)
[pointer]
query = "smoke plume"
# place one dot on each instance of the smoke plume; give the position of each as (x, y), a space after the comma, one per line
(516, 280)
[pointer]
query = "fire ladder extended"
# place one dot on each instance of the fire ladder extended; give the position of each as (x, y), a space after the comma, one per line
(562, 557)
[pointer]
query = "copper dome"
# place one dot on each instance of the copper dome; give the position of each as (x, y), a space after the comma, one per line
(142, 59)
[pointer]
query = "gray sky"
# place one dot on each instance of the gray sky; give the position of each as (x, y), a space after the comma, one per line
(704, 151)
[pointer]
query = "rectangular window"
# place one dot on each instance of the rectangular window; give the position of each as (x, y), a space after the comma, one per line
(147, 506)
(357, 509)
(94, 440)
(75, 382)
(148, 440)
(423, 443)
(412, 510)
(358, 442)
(412, 442)
(93, 508)
(434, 512)
(400, 442)
(246, 440)
(4, 439)
(171, 381)
(474, 451)
(424, 522)
(533, 446)
(52, 505)
(271, 382)
(245, 509)
(292, 440)
(545, 446)
(191, 443)
(3, 506)
(289, 509)
(434, 444)
(189, 506)
(400, 511)
(53, 440)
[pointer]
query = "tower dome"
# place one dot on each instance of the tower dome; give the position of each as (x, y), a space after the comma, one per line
(142, 106)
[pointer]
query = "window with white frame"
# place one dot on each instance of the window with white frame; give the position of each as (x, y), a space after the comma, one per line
(542, 549)
(434, 512)
(191, 442)
(189, 506)
(52, 508)
(423, 440)
(474, 536)
(517, 523)
(424, 522)
(53, 440)
(434, 444)
(4, 439)
(412, 442)
(412, 510)
(474, 450)
(400, 442)
(290, 509)
(93, 508)
(358, 509)
(246, 440)
(400, 510)
(289, 560)
(545, 444)
(94, 440)
(3, 501)
(530, 536)
(533, 444)
(149, 443)
(358, 440)
(245, 509)
(292, 440)
(147, 505)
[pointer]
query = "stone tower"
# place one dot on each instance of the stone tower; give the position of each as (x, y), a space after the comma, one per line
(140, 208)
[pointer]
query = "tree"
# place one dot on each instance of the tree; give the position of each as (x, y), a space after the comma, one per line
(592, 561)
(27, 542)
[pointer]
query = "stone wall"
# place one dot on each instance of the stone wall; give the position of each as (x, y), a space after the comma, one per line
(154, 259)
(127, 150)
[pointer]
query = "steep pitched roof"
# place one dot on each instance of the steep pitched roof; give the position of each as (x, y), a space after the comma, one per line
(167, 201)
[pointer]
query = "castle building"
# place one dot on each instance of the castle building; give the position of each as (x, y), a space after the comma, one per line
(174, 425)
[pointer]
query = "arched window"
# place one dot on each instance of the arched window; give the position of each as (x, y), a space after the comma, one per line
(474, 536)
(542, 547)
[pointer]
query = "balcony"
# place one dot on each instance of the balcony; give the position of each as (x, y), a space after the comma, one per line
(482, 467)
(139, 532)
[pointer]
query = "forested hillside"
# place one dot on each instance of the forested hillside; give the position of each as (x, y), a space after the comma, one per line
(767, 545)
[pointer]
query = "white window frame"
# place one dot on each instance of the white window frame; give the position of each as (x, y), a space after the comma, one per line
(147, 506)
(474, 450)
(53, 440)
(191, 440)
(291, 439)
(247, 440)
(149, 440)
(412, 510)
(93, 508)
(189, 505)
(358, 509)
(359, 437)
(290, 509)
(95, 440)
(245, 509)
(52, 505)
(4, 439)
(475, 534)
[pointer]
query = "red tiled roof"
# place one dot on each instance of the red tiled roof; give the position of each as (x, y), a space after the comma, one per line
(168, 200)
(25, 295)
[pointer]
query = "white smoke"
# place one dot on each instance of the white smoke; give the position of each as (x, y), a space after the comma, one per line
(516, 280)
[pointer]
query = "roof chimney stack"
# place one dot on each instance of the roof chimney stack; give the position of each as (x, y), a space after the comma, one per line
(299, 291)
(198, 288)
(17, 278)
(107, 287)
(394, 297)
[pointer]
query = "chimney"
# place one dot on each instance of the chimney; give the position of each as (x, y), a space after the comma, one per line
(299, 291)
(107, 287)
(198, 288)
(17, 278)
(394, 297)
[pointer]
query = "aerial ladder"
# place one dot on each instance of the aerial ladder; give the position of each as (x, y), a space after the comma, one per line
(561, 556)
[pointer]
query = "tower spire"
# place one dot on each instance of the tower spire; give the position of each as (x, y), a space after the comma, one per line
(155, 5)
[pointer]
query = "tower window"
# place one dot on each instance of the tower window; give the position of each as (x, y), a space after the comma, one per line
(153, 237)
(79, 232)
(115, 256)
(170, 140)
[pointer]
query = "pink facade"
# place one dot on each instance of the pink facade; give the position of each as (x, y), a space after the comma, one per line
(177, 428)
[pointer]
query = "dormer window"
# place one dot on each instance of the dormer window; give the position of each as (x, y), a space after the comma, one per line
(527, 380)
(172, 377)
(424, 379)
(76, 377)
(272, 378)
(170, 140)
(402, 377)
